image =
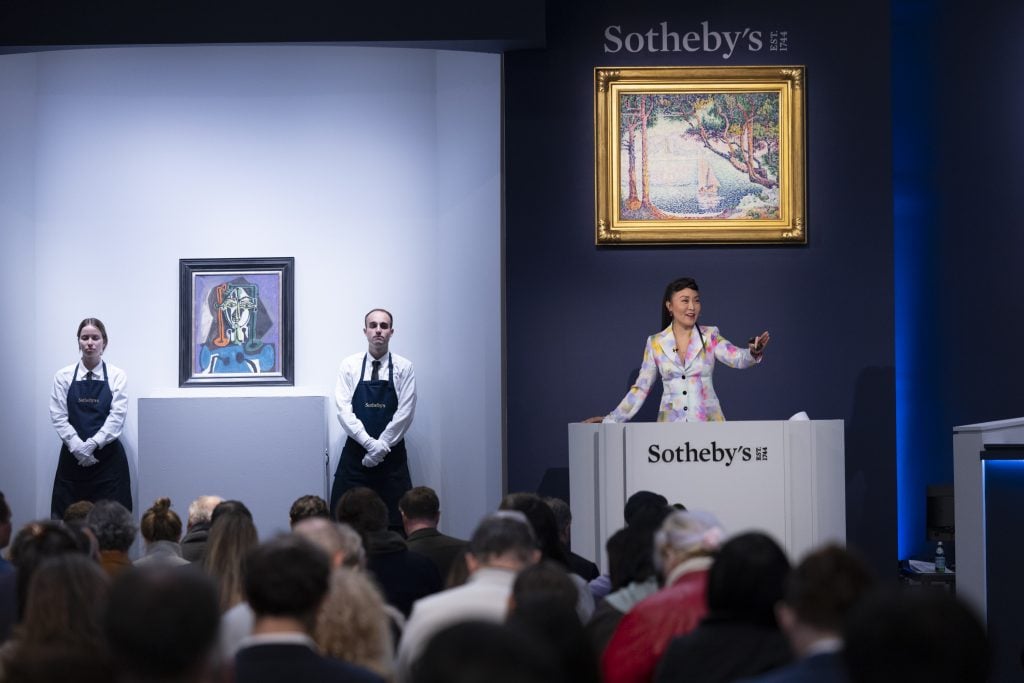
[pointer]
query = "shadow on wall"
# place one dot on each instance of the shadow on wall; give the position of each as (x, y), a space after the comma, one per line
(871, 481)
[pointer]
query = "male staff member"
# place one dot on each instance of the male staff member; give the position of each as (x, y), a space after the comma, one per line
(376, 396)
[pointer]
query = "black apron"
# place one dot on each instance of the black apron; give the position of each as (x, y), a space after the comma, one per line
(88, 407)
(374, 404)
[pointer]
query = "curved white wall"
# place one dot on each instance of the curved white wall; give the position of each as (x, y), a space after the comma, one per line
(378, 169)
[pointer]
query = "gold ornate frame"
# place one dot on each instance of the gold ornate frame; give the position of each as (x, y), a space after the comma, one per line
(761, 147)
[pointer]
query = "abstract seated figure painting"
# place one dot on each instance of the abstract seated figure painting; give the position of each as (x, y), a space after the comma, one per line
(237, 322)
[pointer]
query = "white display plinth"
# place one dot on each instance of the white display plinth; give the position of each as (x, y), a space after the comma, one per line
(786, 478)
(969, 504)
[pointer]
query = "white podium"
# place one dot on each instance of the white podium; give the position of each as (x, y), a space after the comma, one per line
(970, 443)
(787, 478)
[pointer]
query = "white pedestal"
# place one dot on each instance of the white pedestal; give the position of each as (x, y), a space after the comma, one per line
(786, 478)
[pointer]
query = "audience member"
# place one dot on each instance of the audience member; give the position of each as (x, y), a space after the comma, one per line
(77, 512)
(421, 513)
(8, 577)
(161, 624)
(502, 544)
(404, 576)
(543, 605)
(643, 510)
(307, 507)
(161, 529)
(35, 542)
(232, 536)
(5, 534)
(197, 531)
(633, 578)
(914, 634)
(354, 623)
(739, 637)
(115, 532)
(578, 565)
(484, 652)
(545, 528)
(61, 636)
(286, 581)
(819, 593)
(684, 546)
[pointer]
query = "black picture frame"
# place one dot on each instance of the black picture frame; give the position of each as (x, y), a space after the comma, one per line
(236, 325)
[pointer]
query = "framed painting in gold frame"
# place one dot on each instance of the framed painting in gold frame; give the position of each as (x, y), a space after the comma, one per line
(699, 155)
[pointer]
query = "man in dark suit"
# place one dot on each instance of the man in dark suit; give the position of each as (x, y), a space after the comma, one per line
(286, 580)
(421, 512)
(819, 592)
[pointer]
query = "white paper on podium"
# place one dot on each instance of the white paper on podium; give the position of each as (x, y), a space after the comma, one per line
(735, 472)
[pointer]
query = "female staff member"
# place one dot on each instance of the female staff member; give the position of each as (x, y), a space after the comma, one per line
(87, 407)
(685, 353)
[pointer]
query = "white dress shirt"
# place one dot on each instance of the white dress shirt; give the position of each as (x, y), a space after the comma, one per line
(114, 423)
(405, 386)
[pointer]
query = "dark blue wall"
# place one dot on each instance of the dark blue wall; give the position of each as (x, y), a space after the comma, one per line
(957, 118)
(578, 315)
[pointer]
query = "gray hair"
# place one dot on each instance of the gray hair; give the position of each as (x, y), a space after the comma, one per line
(200, 510)
(113, 525)
(687, 532)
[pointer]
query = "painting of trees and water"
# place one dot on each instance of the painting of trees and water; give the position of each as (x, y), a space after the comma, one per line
(699, 155)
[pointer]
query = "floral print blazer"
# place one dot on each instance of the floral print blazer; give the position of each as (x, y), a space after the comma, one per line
(689, 395)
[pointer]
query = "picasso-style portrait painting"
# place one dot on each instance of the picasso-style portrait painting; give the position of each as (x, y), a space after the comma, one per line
(236, 322)
(699, 154)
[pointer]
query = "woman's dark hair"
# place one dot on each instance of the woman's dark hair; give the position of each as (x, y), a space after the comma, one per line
(747, 578)
(631, 556)
(542, 519)
(36, 542)
(161, 523)
(98, 324)
(677, 285)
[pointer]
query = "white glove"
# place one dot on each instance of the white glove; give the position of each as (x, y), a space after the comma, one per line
(85, 453)
(88, 461)
(376, 451)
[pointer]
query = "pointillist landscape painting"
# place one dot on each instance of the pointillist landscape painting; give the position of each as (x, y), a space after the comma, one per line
(699, 155)
(235, 321)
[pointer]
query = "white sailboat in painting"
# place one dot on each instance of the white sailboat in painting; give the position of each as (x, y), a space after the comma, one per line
(707, 184)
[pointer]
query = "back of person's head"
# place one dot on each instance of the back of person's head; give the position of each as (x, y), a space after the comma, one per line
(630, 556)
(353, 624)
(472, 652)
(334, 538)
(161, 523)
(287, 577)
(685, 535)
(825, 585)
(113, 525)
(78, 511)
(232, 536)
(420, 503)
(66, 597)
(504, 534)
(5, 522)
(230, 507)
(161, 623)
(542, 519)
(646, 508)
(200, 510)
(563, 515)
(363, 509)
(545, 585)
(746, 578)
(308, 507)
(898, 634)
(34, 543)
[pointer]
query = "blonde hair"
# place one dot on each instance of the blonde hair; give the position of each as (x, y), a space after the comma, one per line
(353, 623)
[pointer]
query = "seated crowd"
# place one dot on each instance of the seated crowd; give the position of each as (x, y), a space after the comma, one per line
(343, 597)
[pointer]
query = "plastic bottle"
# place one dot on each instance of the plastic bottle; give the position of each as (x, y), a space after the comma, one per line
(940, 558)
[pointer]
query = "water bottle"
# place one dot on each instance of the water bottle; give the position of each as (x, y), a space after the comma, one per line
(940, 558)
